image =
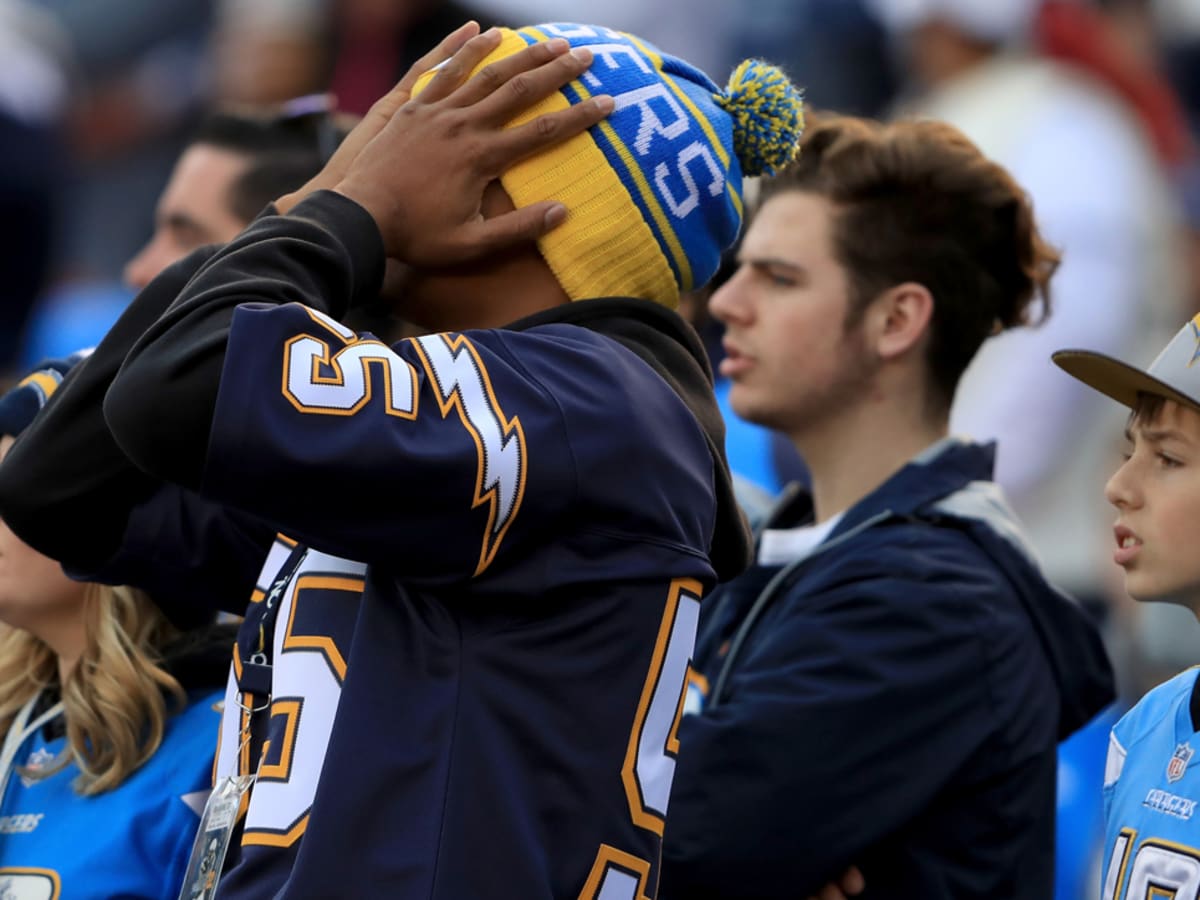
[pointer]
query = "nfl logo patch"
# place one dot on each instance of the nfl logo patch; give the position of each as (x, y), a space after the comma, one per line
(1179, 762)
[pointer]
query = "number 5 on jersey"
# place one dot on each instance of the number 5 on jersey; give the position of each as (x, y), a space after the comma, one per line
(653, 745)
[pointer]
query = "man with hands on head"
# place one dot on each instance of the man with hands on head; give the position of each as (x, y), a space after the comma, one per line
(462, 672)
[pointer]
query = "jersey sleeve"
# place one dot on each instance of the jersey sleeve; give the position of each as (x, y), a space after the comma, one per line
(435, 457)
(66, 487)
(193, 556)
(422, 456)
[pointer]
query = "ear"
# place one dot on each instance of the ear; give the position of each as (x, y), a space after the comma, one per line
(899, 319)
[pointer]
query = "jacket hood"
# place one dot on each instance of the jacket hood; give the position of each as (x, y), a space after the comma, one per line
(666, 343)
(959, 492)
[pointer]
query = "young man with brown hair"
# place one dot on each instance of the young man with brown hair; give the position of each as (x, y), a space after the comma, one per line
(886, 687)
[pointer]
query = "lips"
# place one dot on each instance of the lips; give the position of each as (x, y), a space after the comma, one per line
(1128, 545)
(735, 362)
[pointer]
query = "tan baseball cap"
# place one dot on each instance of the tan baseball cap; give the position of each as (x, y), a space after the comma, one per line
(1174, 374)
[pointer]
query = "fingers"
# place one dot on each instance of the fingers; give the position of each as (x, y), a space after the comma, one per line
(504, 71)
(853, 881)
(522, 89)
(450, 44)
(458, 65)
(385, 107)
(511, 229)
(850, 884)
(514, 144)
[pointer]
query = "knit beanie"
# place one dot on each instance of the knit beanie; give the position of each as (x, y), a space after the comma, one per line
(21, 403)
(653, 192)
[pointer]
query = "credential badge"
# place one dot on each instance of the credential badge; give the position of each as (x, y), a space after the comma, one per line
(38, 760)
(1179, 762)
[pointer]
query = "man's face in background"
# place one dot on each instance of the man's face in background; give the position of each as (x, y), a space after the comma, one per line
(193, 211)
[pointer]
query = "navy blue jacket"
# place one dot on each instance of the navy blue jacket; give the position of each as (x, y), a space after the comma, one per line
(893, 700)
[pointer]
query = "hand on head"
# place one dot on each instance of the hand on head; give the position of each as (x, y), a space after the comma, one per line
(379, 115)
(423, 175)
(850, 884)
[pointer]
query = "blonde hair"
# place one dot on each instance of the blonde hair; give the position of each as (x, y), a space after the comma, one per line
(115, 698)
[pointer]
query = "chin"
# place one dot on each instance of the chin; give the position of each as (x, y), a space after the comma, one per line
(1144, 591)
(743, 404)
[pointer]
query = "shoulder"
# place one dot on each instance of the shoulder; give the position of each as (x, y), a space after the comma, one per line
(906, 576)
(603, 387)
(565, 348)
(1145, 740)
(899, 571)
(1159, 705)
(903, 549)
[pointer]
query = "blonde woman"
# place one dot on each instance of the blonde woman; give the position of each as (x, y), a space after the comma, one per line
(110, 718)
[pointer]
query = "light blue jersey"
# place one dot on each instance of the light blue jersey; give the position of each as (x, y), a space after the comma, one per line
(131, 842)
(1151, 790)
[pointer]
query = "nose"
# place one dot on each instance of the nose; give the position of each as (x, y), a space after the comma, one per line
(148, 262)
(729, 303)
(1121, 490)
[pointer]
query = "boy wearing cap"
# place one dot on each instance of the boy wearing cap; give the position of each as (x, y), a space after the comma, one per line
(462, 671)
(1151, 786)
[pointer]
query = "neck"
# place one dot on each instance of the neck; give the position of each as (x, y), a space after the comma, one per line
(487, 295)
(68, 640)
(853, 454)
(66, 665)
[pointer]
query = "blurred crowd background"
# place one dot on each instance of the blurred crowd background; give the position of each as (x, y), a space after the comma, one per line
(1093, 104)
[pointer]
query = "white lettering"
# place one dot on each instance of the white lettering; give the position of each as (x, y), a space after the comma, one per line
(349, 388)
(609, 53)
(1170, 804)
(581, 31)
(21, 824)
(651, 124)
(680, 208)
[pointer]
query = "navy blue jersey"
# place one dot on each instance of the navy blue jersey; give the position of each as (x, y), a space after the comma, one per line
(486, 703)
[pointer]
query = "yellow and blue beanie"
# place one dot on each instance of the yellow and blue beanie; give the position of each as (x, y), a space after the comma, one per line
(21, 403)
(654, 192)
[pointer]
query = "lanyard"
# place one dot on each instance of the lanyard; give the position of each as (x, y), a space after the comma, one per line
(20, 729)
(256, 638)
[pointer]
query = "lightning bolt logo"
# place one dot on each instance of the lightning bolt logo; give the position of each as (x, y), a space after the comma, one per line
(1196, 337)
(463, 384)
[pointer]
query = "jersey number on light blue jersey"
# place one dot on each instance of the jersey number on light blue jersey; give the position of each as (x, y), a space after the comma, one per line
(1156, 871)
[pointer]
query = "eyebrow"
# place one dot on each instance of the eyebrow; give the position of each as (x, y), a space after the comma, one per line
(769, 261)
(1157, 435)
(773, 262)
(184, 222)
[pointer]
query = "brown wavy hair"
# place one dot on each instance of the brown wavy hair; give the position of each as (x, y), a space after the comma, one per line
(915, 200)
(116, 700)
